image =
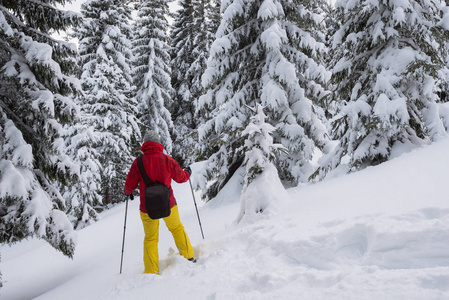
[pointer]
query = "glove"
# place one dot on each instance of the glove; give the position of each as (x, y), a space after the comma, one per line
(188, 170)
(131, 196)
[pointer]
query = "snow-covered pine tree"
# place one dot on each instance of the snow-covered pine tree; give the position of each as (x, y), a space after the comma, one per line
(85, 195)
(386, 59)
(151, 72)
(192, 35)
(35, 87)
(208, 20)
(258, 147)
(104, 46)
(182, 38)
(259, 159)
(266, 52)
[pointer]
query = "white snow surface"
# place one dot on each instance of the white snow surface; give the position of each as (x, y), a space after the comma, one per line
(381, 233)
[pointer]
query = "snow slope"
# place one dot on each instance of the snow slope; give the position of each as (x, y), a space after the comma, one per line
(382, 233)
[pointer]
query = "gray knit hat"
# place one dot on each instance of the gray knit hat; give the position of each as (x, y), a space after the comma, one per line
(152, 136)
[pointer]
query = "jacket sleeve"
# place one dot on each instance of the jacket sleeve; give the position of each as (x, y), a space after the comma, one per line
(178, 174)
(132, 179)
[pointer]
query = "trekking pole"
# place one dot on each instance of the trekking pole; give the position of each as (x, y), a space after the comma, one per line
(124, 230)
(193, 195)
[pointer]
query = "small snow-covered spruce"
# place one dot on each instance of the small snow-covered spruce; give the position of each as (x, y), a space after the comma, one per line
(36, 85)
(107, 85)
(386, 57)
(266, 52)
(258, 146)
(260, 154)
(151, 69)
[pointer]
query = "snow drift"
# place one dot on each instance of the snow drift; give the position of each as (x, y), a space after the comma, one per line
(381, 233)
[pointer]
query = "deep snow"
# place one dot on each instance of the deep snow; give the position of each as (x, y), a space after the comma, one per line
(381, 233)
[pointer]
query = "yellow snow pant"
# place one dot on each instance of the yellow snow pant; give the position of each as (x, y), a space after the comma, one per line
(151, 228)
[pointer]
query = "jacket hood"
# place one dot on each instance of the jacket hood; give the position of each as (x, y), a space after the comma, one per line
(152, 147)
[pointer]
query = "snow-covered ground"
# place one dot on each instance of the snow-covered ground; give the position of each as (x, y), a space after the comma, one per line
(382, 233)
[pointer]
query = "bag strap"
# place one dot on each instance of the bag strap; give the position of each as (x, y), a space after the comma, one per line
(145, 177)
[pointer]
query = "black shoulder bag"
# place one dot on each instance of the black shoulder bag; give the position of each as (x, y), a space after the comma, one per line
(157, 195)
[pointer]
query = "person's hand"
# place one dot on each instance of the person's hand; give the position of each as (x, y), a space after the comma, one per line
(131, 196)
(188, 170)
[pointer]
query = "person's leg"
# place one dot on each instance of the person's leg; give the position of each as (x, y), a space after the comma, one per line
(179, 234)
(150, 249)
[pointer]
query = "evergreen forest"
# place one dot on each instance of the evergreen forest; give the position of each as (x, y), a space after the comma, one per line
(301, 87)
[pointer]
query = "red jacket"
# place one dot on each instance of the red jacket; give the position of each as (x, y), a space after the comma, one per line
(159, 167)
